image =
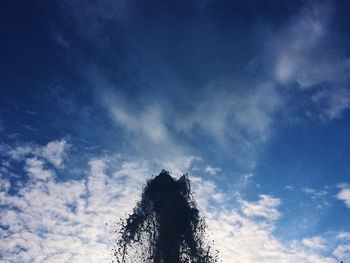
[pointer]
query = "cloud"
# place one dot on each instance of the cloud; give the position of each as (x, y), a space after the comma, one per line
(299, 40)
(342, 252)
(344, 195)
(307, 53)
(178, 164)
(249, 236)
(212, 170)
(59, 221)
(343, 236)
(319, 197)
(159, 112)
(245, 179)
(50, 221)
(289, 187)
(227, 112)
(148, 122)
(54, 221)
(332, 102)
(55, 151)
(223, 115)
(19, 152)
(314, 193)
(144, 127)
(315, 243)
(238, 121)
(35, 169)
(265, 207)
(248, 241)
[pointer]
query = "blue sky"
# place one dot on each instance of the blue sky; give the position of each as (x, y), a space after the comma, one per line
(251, 99)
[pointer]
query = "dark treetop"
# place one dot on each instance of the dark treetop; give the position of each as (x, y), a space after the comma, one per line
(166, 224)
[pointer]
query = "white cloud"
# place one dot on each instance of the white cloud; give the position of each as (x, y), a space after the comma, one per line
(56, 221)
(343, 236)
(178, 164)
(315, 243)
(242, 238)
(246, 241)
(344, 195)
(55, 151)
(342, 252)
(19, 152)
(266, 207)
(35, 169)
(289, 187)
(212, 170)
(206, 193)
(4, 183)
(65, 221)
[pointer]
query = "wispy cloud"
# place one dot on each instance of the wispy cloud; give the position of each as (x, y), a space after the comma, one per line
(233, 116)
(307, 54)
(314, 193)
(332, 102)
(148, 123)
(246, 179)
(297, 43)
(158, 110)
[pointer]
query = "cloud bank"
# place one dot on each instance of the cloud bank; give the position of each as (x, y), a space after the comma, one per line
(53, 220)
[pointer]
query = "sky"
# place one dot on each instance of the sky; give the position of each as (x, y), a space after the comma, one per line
(250, 98)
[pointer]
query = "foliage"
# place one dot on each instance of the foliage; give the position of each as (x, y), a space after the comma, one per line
(166, 224)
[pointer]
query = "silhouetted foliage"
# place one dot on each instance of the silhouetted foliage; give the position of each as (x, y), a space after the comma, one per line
(166, 223)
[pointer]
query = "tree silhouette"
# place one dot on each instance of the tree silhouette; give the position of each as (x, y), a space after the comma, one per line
(166, 224)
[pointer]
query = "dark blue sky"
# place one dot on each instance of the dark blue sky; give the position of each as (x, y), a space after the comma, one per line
(250, 98)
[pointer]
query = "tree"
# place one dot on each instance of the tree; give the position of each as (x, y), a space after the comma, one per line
(166, 223)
